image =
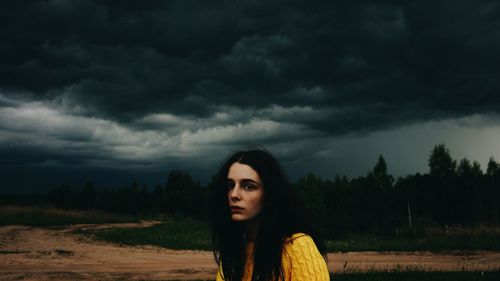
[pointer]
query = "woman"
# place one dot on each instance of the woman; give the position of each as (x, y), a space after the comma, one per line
(258, 233)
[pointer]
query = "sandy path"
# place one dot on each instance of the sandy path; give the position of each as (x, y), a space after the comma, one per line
(32, 253)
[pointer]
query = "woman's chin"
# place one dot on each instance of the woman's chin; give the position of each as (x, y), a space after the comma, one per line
(238, 217)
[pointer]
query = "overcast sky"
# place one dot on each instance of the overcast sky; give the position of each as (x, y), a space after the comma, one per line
(112, 91)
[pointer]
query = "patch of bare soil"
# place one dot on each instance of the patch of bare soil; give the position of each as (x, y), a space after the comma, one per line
(34, 253)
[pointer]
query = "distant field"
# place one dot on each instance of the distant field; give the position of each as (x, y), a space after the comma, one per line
(182, 233)
(47, 216)
(194, 235)
(185, 234)
(479, 238)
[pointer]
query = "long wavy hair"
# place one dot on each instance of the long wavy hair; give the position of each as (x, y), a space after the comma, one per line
(280, 217)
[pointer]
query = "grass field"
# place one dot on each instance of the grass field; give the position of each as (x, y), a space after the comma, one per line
(192, 234)
(481, 238)
(419, 275)
(47, 216)
(404, 275)
(184, 234)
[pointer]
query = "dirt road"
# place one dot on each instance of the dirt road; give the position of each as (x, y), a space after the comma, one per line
(33, 253)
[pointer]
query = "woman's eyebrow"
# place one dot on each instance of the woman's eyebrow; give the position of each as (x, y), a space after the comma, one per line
(244, 180)
(250, 180)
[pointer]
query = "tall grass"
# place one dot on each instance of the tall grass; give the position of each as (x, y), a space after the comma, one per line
(177, 234)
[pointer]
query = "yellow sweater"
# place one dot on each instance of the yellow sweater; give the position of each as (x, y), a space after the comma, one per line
(301, 261)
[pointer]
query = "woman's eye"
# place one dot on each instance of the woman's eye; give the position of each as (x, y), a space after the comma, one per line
(230, 184)
(248, 186)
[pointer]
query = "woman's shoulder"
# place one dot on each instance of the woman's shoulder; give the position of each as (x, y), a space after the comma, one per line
(299, 240)
(303, 258)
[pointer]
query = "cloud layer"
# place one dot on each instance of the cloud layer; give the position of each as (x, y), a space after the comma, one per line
(128, 85)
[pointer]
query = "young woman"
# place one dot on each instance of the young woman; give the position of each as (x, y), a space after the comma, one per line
(258, 231)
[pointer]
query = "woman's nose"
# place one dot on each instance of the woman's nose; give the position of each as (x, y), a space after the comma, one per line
(235, 193)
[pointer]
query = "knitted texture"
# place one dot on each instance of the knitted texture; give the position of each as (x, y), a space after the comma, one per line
(301, 261)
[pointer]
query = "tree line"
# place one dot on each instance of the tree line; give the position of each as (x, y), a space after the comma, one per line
(449, 194)
(180, 195)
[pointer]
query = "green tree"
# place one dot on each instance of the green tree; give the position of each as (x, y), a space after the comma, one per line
(310, 190)
(464, 168)
(156, 196)
(182, 195)
(493, 167)
(88, 195)
(466, 207)
(444, 181)
(493, 190)
(382, 178)
(476, 169)
(62, 197)
(440, 162)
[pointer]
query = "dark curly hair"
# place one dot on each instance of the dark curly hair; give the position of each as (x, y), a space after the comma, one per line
(281, 217)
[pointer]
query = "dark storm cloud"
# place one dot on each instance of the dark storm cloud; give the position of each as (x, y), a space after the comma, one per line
(121, 59)
(128, 81)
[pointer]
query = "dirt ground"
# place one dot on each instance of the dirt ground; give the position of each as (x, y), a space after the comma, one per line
(34, 253)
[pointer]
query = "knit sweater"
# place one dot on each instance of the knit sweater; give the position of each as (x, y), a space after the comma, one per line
(301, 261)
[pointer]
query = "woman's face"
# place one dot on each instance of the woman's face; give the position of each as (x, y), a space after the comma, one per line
(244, 192)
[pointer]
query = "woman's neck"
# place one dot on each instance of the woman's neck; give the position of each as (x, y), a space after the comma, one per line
(252, 230)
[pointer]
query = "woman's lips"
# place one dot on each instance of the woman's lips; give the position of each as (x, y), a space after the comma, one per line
(236, 209)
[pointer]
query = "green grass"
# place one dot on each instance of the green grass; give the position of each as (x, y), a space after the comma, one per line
(439, 243)
(190, 234)
(194, 235)
(184, 234)
(418, 275)
(48, 216)
(409, 275)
